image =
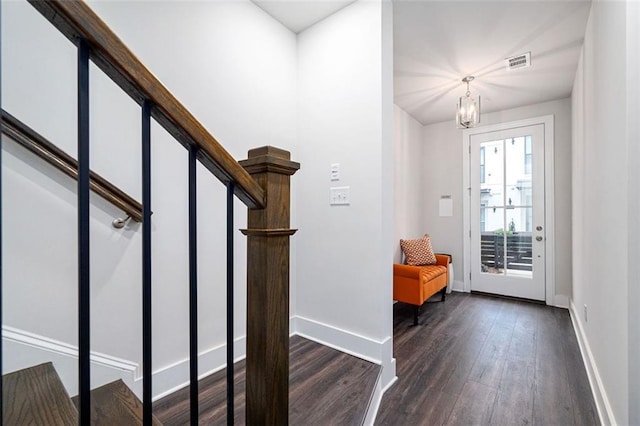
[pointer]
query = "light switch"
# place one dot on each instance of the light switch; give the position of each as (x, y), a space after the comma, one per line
(335, 171)
(339, 196)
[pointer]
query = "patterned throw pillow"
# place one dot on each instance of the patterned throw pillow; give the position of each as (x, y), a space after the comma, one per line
(418, 252)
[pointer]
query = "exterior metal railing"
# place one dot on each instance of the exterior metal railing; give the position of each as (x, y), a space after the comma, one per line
(511, 251)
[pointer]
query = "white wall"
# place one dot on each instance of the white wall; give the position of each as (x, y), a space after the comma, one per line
(408, 180)
(442, 175)
(235, 68)
(251, 82)
(605, 202)
(344, 252)
(633, 194)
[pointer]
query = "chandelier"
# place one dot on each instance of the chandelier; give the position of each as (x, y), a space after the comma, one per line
(467, 110)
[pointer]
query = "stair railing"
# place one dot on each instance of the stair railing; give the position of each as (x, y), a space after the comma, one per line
(268, 224)
(1, 240)
(56, 157)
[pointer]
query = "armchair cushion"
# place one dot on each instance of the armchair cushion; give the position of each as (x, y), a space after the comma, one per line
(418, 252)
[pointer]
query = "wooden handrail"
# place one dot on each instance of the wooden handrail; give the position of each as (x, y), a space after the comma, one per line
(37, 144)
(76, 20)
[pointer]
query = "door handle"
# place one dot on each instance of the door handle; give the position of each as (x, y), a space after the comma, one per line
(538, 228)
(538, 238)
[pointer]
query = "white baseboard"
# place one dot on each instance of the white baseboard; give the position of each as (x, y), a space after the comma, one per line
(342, 340)
(457, 286)
(22, 349)
(176, 376)
(356, 345)
(372, 413)
(603, 406)
(374, 401)
(561, 301)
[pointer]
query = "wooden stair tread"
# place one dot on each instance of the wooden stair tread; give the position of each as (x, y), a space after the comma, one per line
(114, 404)
(36, 395)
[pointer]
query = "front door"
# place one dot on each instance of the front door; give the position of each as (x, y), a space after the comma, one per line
(507, 212)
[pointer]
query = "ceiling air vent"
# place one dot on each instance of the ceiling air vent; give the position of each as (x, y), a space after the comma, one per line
(518, 61)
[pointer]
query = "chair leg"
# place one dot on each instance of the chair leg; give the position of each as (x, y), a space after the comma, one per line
(444, 294)
(416, 313)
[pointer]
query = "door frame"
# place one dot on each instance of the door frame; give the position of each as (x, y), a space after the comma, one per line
(547, 121)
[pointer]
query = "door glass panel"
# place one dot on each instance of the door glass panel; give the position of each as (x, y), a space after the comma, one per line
(492, 240)
(518, 171)
(519, 256)
(492, 203)
(506, 207)
(491, 174)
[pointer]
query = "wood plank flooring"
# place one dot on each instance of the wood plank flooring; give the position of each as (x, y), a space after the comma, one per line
(485, 360)
(326, 387)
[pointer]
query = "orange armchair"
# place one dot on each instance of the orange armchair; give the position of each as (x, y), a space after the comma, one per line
(415, 284)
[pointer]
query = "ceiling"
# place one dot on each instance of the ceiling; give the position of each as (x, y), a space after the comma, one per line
(437, 43)
(298, 15)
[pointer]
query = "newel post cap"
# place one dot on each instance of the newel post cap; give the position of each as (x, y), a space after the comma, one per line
(270, 159)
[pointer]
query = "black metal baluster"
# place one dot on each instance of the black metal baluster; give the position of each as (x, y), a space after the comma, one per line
(230, 392)
(146, 264)
(193, 287)
(84, 280)
(1, 322)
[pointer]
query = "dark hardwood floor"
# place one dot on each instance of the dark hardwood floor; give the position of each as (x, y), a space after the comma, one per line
(485, 360)
(326, 387)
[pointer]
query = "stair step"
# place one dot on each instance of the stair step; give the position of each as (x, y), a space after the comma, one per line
(37, 396)
(114, 404)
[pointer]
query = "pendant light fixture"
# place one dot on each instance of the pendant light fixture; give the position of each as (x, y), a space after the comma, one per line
(467, 110)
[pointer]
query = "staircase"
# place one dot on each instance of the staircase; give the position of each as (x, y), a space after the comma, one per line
(326, 387)
(115, 404)
(36, 396)
(261, 183)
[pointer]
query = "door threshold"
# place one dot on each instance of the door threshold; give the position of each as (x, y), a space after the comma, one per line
(502, 296)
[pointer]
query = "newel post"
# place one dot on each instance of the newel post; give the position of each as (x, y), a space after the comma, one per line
(267, 363)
